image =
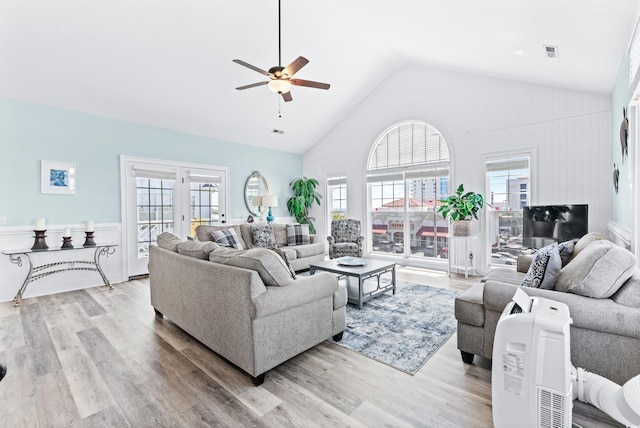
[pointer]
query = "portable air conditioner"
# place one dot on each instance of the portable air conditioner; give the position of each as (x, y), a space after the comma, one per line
(533, 382)
(531, 374)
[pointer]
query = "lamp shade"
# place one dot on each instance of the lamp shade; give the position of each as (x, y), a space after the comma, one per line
(270, 201)
(257, 201)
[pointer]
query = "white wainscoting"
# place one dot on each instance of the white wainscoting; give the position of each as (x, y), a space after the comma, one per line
(619, 235)
(12, 275)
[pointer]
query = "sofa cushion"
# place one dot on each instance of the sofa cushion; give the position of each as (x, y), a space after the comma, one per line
(168, 241)
(535, 275)
(270, 266)
(629, 293)
(507, 275)
(262, 236)
(197, 249)
(227, 238)
(291, 253)
(598, 270)
(309, 250)
(298, 234)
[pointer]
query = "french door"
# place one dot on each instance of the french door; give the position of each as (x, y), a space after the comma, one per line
(160, 196)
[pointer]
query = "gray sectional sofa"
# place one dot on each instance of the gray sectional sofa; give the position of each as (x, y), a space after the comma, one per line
(300, 256)
(601, 287)
(244, 305)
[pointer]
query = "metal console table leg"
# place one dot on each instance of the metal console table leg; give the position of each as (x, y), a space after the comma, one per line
(38, 272)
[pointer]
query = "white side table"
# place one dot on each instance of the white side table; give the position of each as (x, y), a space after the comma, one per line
(462, 254)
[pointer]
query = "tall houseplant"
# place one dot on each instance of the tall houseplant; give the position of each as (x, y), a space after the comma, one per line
(304, 195)
(461, 207)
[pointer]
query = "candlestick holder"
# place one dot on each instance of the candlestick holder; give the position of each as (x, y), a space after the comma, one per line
(66, 242)
(39, 243)
(88, 240)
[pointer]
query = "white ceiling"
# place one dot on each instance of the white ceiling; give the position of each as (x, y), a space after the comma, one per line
(168, 63)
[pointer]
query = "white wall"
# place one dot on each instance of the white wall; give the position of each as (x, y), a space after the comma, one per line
(477, 115)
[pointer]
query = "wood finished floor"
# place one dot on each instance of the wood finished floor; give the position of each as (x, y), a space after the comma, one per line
(100, 358)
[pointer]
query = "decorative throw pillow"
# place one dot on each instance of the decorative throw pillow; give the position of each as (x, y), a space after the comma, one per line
(168, 241)
(227, 238)
(566, 250)
(298, 234)
(199, 250)
(554, 266)
(583, 242)
(270, 266)
(535, 275)
(284, 257)
(597, 271)
(262, 236)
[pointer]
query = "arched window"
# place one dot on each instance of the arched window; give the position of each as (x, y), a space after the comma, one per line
(407, 174)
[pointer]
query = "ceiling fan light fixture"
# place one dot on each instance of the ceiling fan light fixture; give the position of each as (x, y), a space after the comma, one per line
(280, 86)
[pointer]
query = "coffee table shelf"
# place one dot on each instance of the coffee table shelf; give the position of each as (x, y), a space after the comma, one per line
(372, 268)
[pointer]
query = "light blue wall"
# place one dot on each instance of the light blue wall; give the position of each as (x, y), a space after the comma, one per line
(31, 133)
(621, 207)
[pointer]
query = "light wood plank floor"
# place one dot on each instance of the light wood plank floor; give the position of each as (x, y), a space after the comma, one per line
(101, 358)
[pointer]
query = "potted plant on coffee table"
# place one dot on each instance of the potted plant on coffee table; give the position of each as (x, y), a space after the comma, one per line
(460, 208)
(304, 195)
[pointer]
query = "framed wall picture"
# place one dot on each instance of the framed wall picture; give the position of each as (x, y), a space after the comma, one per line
(58, 178)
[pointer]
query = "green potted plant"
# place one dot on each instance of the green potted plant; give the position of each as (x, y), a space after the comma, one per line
(460, 208)
(304, 195)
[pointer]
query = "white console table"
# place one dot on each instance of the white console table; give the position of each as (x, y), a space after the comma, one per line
(38, 272)
(462, 254)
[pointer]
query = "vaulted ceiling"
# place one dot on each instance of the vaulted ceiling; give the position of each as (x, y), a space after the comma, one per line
(168, 63)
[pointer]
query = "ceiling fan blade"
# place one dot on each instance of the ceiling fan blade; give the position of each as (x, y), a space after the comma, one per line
(286, 96)
(296, 65)
(253, 85)
(253, 67)
(309, 83)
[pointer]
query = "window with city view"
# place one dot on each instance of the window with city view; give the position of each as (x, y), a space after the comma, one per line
(508, 181)
(407, 176)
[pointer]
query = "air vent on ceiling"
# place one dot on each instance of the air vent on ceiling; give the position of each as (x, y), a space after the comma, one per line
(551, 51)
(278, 131)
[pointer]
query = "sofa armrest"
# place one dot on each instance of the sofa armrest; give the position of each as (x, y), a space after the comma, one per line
(301, 291)
(524, 262)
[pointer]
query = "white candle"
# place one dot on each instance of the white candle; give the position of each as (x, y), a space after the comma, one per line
(89, 226)
(40, 225)
(67, 232)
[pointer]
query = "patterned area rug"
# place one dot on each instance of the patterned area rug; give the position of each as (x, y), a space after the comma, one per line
(404, 330)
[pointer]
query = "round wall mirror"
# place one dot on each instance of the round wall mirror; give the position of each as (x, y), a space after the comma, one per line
(256, 185)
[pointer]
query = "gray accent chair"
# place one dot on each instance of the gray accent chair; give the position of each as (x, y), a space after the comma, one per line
(346, 239)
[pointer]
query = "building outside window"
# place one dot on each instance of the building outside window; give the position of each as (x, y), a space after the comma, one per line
(407, 176)
(508, 191)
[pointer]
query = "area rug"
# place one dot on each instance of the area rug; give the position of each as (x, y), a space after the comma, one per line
(402, 330)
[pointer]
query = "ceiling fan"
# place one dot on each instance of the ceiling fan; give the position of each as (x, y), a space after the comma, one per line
(281, 77)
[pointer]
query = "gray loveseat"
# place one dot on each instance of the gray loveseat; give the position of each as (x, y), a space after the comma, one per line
(300, 256)
(233, 312)
(605, 334)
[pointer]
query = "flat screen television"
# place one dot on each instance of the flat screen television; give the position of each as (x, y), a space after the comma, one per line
(546, 224)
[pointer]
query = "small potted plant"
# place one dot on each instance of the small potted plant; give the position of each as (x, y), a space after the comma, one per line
(460, 208)
(304, 195)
